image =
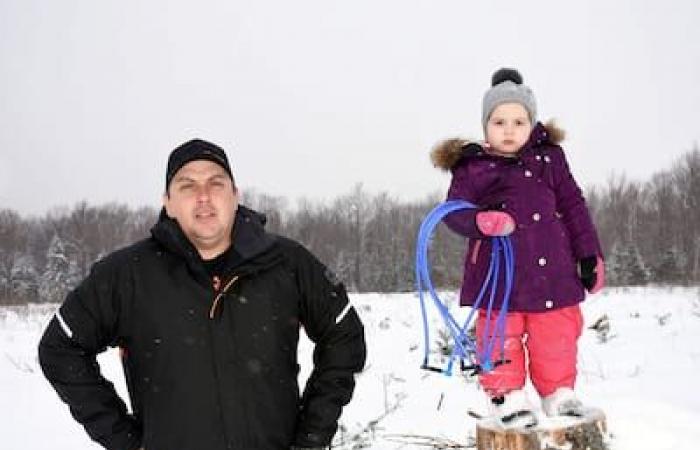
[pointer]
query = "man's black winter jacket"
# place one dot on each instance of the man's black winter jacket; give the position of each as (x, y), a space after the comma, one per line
(206, 370)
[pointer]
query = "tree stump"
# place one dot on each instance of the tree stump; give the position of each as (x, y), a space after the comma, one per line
(557, 433)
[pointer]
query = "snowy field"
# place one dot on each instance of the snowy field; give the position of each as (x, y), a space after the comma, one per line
(640, 374)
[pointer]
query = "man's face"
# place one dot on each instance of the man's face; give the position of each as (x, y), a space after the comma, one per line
(203, 200)
(508, 128)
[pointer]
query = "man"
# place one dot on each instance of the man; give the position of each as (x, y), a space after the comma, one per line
(207, 314)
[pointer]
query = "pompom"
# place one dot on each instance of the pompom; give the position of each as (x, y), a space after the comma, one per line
(506, 74)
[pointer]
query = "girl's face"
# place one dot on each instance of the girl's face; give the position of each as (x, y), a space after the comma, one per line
(508, 128)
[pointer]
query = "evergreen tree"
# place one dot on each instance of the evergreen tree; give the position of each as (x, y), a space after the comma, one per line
(625, 266)
(61, 273)
(24, 280)
(635, 270)
(614, 266)
(669, 268)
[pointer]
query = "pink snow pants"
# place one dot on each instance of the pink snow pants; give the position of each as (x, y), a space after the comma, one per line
(549, 340)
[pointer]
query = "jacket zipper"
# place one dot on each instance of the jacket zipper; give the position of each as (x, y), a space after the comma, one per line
(219, 296)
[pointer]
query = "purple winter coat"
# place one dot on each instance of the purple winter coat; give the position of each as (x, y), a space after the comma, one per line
(553, 226)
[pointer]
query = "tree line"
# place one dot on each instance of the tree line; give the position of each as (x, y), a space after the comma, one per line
(649, 232)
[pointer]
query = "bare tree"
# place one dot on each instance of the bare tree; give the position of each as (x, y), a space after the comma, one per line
(649, 232)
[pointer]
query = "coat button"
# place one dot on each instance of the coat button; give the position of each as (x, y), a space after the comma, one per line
(528, 174)
(492, 165)
(547, 158)
(536, 217)
(542, 261)
(538, 157)
(548, 304)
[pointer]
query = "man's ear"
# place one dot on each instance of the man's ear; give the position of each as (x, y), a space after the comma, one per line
(166, 203)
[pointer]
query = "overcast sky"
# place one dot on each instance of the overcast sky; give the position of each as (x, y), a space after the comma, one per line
(310, 97)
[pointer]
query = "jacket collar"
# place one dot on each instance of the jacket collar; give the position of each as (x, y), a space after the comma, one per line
(249, 239)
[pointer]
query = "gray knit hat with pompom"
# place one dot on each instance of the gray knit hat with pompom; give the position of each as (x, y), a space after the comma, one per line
(507, 87)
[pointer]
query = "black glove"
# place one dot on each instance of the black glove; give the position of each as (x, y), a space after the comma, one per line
(587, 272)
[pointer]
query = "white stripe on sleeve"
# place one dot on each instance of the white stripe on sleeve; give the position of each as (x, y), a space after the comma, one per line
(343, 313)
(64, 325)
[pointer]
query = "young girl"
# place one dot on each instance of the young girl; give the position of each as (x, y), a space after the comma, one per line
(521, 182)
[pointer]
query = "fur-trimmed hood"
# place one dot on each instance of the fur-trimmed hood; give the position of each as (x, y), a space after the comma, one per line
(445, 154)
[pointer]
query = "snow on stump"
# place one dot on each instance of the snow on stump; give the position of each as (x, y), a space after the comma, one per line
(570, 433)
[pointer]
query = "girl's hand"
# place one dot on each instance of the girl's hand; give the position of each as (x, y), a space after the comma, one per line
(495, 223)
(592, 273)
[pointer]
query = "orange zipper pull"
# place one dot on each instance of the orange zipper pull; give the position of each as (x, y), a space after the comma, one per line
(219, 295)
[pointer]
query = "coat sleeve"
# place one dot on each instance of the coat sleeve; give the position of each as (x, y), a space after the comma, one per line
(462, 222)
(84, 325)
(333, 325)
(574, 212)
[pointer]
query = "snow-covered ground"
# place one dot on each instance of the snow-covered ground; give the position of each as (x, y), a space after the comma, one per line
(641, 376)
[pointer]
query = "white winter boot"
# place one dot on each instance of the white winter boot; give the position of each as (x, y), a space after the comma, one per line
(562, 402)
(514, 410)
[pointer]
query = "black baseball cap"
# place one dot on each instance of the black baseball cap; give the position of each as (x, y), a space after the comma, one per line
(193, 150)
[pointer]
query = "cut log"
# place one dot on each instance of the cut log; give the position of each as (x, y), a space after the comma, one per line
(559, 433)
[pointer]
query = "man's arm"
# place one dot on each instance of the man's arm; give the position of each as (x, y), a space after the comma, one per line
(84, 326)
(333, 325)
